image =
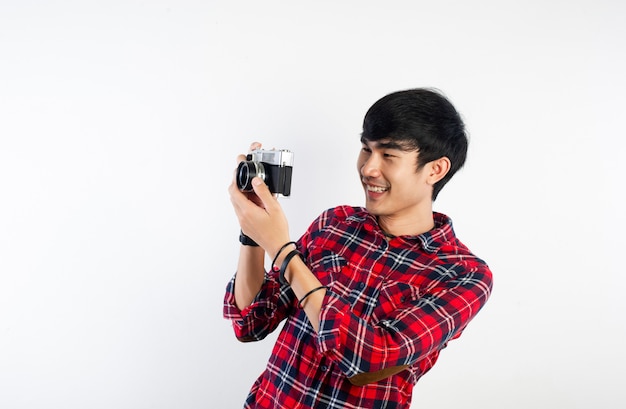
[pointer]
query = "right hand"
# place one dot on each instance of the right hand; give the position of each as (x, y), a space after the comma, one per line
(260, 215)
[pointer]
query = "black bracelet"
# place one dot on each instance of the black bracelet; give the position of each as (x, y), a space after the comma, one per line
(246, 241)
(281, 250)
(309, 293)
(283, 267)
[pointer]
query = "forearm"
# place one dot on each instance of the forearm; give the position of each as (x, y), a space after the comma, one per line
(250, 275)
(302, 280)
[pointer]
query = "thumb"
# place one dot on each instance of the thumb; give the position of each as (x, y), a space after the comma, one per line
(262, 191)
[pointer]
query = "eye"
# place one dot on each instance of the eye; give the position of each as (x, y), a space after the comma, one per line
(365, 148)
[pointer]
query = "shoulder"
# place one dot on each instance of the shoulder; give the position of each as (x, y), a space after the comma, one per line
(451, 249)
(342, 213)
(338, 219)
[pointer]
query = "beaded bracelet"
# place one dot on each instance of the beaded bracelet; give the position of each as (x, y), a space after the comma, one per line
(309, 293)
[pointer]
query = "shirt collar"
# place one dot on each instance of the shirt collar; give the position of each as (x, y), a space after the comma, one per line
(431, 241)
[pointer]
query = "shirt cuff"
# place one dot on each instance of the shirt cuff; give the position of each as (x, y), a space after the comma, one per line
(231, 311)
(336, 321)
(262, 306)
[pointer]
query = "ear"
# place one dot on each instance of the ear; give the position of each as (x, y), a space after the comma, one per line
(437, 169)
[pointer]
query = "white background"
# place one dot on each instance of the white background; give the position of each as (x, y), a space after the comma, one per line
(120, 122)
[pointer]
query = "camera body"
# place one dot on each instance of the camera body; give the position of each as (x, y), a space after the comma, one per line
(273, 166)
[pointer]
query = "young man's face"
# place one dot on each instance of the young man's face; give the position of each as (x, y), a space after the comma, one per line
(394, 188)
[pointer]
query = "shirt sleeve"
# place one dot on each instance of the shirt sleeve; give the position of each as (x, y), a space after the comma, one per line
(274, 302)
(414, 328)
(270, 306)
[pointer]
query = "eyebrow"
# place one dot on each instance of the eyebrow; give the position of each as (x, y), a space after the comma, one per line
(386, 144)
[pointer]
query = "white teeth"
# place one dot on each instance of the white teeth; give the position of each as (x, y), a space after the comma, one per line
(376, 189)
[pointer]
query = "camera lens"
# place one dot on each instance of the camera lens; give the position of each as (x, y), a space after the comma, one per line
(246, 171)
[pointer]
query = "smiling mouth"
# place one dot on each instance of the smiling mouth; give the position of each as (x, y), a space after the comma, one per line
(376, 189)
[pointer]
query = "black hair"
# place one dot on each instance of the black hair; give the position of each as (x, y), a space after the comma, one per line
(420, 119)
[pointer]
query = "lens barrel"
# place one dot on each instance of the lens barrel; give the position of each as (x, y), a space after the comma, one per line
(246, 171)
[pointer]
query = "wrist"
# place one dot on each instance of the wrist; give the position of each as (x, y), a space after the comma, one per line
(282, 257)
(281, 253)
(246, 241)
(285, 273)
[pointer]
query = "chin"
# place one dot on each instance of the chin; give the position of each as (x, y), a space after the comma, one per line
(373, 209)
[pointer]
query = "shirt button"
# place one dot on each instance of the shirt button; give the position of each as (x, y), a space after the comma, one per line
(361, 285)
(324, 368)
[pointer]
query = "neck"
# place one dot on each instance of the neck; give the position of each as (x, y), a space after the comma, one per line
(404, 227)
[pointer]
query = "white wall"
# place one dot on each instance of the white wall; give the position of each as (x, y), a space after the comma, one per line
(119, 125)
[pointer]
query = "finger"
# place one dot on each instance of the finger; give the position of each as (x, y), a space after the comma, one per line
(253, 146)
(243, 208)
(263, 192)
(236, 197)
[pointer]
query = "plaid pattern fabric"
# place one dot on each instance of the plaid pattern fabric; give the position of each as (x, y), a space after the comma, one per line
(391, 301)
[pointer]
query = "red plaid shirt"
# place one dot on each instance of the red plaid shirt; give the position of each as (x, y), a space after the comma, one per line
(391, 301)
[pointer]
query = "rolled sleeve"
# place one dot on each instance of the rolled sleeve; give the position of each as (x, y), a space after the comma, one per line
(333, 322)
(262, 316)
(338, 334)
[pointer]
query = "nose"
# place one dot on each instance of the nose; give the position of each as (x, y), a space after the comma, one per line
(370, 167)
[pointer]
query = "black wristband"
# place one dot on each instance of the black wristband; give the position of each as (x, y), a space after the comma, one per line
(281, 250)
(247, 241)
(283, 267)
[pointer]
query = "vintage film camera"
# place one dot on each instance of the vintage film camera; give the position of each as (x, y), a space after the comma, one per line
(273, 166)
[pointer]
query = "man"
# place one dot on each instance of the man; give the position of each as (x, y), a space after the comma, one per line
(370, 295)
